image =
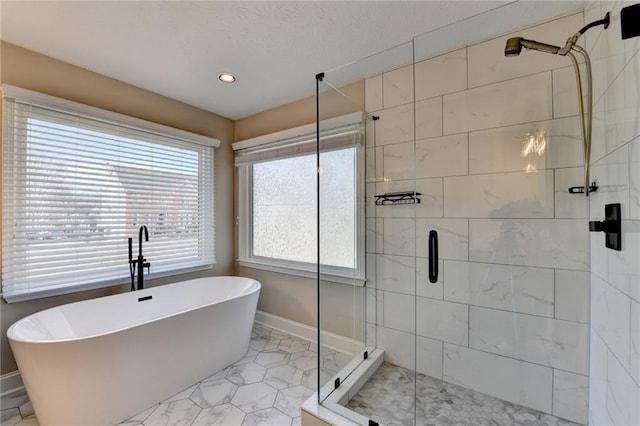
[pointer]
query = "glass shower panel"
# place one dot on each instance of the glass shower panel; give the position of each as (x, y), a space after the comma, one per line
(470, 237)
(493, 147)
(381, 308)
(341, 311)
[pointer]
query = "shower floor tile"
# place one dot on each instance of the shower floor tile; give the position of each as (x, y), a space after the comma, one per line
(388, 398)
(266, 387)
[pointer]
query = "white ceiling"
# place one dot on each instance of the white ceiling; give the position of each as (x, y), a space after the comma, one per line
(178, 48)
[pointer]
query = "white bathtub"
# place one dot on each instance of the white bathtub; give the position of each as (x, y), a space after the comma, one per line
(101, 361)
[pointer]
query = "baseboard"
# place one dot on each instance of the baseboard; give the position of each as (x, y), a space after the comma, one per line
(10, 382)
(307, 332)
(294, 328)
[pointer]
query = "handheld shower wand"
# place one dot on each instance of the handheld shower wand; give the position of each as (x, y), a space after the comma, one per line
(514, 46)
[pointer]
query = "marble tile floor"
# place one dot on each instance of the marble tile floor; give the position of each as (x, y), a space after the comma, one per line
(266, 387)
(388, 398)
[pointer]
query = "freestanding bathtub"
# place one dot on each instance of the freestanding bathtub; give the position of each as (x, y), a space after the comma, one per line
(101, 361)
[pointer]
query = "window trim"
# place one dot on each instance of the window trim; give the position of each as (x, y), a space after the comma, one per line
(67, 106)
(349, 276)
(28, 97)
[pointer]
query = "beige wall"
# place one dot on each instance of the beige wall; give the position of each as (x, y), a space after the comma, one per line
(332, 104)
(289, 296)
(30, 70)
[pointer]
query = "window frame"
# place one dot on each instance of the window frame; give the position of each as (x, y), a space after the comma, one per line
(351, 276)
(23, 96)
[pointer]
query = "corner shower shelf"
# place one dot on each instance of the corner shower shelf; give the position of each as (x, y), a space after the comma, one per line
(391, 198)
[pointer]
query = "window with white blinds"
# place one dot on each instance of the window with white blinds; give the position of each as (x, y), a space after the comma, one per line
(78, 181)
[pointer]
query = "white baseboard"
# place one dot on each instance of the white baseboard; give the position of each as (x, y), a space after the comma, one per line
(304, 331)
(294, 328)
(10, 382)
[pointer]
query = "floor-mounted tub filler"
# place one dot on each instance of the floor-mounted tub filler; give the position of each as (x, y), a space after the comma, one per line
(104, 360)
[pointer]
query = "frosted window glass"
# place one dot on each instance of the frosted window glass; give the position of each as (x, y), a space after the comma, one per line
(284, 209)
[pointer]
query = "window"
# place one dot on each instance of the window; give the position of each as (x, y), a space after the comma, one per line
(278, 186)
(78, 181)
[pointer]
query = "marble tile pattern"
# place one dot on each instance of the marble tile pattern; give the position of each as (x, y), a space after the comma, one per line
(266, 387)
(614, 375)
(388, 398)
(493, 144)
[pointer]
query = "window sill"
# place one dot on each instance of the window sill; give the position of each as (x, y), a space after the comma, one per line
(302, 271)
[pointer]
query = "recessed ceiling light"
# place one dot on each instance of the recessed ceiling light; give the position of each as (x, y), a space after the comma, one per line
(227, 78)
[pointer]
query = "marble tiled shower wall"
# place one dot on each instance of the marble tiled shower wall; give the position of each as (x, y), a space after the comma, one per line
(509, 315)
(615, 275)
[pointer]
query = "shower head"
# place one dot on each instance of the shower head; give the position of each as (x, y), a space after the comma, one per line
(514, 46)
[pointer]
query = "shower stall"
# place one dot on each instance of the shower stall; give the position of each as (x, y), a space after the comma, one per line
(464, 295)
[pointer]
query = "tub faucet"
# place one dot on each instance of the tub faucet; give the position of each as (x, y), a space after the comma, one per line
(140, 263)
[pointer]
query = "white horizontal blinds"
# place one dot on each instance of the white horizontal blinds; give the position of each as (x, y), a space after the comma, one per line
(329, 140)
(74, 189)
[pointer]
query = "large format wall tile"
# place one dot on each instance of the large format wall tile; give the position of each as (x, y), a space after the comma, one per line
(634, 180)
(373, 93)
(611, 318)
(441, 75)
(397, 87)
(429, 357)
(429, 118)
(512, 380)
(443, 156)
(445, 321)
(503, 149)
(622, 101)
(607, 54)
(570, 396)
(570, 206)
(398, 161)
(565, 91)
(396, 273)
(598, 414)
(399, 347)
(399, 236)
(623, 266)
(371, 303)
(515, 101)
(623, 394)
(550, 243)
(489, 64)
(453, 238)
(424, 287)
(545, 341)
(511, 288)
(572, 295)
(500, 195)
(399, 312)
(477, 119)
(395, 125)
(370, 235)
(634, 356)
(612, 175)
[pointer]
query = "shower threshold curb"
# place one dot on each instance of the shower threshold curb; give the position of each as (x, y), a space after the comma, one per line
(333, 410)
